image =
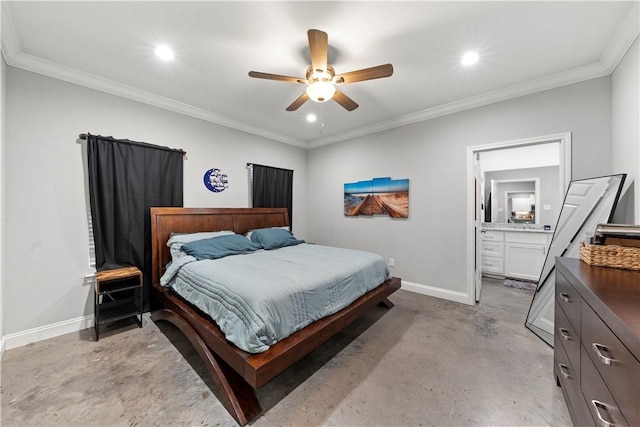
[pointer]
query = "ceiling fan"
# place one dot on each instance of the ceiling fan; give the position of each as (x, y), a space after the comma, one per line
(321, 79)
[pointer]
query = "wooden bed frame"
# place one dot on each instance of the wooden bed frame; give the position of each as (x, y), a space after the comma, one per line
(235, 372)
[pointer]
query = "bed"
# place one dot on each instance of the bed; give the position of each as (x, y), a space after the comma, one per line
(237, 373)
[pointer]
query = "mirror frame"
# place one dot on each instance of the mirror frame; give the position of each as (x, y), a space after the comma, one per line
(604, 209)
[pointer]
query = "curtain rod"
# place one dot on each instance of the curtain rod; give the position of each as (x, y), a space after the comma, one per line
(84, 136)
(265, 166)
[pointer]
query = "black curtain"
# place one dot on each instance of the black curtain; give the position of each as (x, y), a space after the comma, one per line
(272, 188)
(126, 178)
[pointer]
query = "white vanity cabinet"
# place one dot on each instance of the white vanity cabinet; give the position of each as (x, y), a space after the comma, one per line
(524, 254)
(493, 252)
(519, 254)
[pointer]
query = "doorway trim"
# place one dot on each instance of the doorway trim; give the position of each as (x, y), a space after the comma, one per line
(564, 140)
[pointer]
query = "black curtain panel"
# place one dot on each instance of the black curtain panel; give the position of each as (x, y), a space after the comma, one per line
(272, 188)
(126, 178)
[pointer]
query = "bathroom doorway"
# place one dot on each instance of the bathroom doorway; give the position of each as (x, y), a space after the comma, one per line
(546, 159)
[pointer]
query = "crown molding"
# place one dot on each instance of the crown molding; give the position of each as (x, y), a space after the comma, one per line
(8, 40)
(564, 78)
(16, 58)
(71, 75)
(615, 51)
(624, 37)
(613, 54)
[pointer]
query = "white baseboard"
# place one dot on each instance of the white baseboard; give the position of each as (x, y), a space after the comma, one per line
(2, 347)
(432, 291)
(20, 339)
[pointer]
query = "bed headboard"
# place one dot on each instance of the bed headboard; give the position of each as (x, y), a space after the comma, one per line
(165, 221)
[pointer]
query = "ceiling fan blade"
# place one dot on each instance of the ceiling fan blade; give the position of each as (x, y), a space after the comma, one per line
(318, 48)
(259, 75)
(342, 99)
(378, 72)
(298, 102)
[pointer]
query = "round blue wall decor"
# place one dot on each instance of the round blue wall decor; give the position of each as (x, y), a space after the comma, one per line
(215, 180)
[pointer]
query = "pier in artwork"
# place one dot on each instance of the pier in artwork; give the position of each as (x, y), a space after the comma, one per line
(379, 196)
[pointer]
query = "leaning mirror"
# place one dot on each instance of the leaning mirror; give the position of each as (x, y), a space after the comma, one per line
(587, 203)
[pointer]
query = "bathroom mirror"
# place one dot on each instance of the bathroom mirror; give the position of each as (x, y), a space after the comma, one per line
(536, 193)
(587, 203)
(521, 207)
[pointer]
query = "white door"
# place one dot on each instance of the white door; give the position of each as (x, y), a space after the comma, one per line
(479, 186)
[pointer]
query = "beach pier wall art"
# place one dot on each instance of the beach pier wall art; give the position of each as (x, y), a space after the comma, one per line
(378, 196)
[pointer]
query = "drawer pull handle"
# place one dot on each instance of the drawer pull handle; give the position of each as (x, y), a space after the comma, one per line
(565, 334)
(564, 370)
(599, 348)
(565, 297)
(604, 423)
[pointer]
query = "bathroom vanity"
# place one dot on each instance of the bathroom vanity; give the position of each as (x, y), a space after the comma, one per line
(514, 252)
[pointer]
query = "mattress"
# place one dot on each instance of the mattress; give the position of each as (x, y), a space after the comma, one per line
(262, 297)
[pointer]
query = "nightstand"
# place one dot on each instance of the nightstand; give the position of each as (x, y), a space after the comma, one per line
(108, 309)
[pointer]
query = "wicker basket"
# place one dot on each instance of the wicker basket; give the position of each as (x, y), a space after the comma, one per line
(610, 256)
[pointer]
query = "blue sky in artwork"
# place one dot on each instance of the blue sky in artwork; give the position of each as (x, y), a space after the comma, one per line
(377, 185)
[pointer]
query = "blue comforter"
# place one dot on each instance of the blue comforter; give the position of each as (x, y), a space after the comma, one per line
(262, 297)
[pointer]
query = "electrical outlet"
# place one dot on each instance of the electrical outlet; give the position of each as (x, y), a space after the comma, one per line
(392, 262)
(546, 207)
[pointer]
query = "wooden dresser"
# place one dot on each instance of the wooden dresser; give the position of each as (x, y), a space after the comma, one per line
(597, 343)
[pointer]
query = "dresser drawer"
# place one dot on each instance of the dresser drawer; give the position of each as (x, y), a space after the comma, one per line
(602, 406)
(570, 301)
(567, 338)
(570, 382)
(615, 364)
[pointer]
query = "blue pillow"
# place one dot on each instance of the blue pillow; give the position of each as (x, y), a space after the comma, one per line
(219, 247)
(273, 238)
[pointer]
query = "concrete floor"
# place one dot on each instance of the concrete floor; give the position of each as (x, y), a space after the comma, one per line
(424, 362)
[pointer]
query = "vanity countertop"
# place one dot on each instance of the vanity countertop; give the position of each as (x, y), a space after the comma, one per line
(518, 229)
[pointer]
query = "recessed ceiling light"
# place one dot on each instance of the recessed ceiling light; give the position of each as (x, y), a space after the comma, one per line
(311, 118)
(164, 52)
(469, 58)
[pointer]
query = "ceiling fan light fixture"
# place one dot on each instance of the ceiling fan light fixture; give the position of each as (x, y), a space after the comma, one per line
(321, 79)
(321, 91)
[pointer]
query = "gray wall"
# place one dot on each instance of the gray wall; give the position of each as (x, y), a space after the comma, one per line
(46, 202)
(430, 246)
(625, 112)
